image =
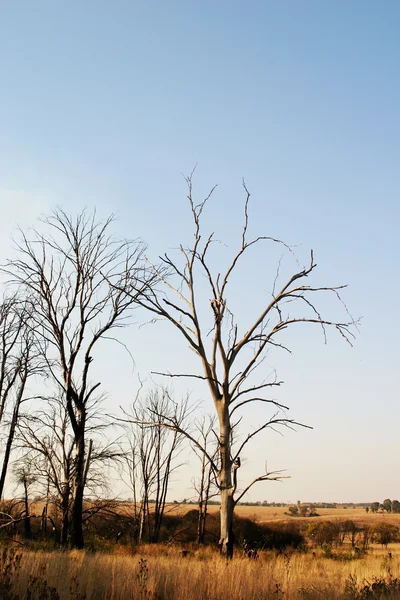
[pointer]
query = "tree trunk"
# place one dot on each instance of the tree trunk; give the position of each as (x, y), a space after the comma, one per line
(225, 481)
(77, 540)
(7, 451)
(46, 510)
(27, 520)
(11, 435)
(141, 523)
(204, 495)
(200, 524)
(227, 538)
(65, 516)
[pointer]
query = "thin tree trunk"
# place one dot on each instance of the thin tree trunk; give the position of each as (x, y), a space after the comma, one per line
(141, 522)
(203, 507)
(7, 451)
(27, 520)
(11, 434)
(162, 489)
(65, 515)
(77, 540)
(200, 528)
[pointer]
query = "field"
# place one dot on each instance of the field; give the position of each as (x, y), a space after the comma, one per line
(268, 514)
(164, 573)
(186, 572)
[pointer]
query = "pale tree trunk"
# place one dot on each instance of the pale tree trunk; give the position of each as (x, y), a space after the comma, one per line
(142, 519)
(225, 482)
(226, 538)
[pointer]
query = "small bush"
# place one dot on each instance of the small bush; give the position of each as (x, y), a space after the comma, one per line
(324, 533)
(385, 533)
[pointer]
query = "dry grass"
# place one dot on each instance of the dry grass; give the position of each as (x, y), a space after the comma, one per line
(162, 573)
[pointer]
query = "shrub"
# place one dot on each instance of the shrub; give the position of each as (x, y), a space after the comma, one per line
(324, 533)
(385, 533)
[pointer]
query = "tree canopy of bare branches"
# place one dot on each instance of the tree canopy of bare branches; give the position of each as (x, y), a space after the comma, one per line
(19, 360)
(82, 283)
(229, 352)
(151, 459)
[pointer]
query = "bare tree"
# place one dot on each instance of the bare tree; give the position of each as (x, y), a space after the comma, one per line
(152, 457)
(83, 283)
(45, 437)
(24, 475)
(229, 354)
(18, 362)
(205, 484)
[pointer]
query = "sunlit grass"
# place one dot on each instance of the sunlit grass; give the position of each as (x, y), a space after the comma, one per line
(162, 572)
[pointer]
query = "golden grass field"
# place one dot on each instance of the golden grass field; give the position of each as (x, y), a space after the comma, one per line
(164, 572)
(161, 573)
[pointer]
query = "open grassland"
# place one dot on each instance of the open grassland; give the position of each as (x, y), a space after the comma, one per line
(298, 563)
(266, 514)
(164, 573)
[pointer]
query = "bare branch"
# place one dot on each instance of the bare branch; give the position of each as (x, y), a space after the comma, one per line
(275, 420)
(272, 476)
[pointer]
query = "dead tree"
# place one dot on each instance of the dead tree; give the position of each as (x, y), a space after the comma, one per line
(229, 352)
(45, 437)
(152, 458)
(18, 362)
(25, 476)
(205, 484)
(83, 283)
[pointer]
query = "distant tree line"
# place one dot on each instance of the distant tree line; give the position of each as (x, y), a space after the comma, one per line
(388, 506)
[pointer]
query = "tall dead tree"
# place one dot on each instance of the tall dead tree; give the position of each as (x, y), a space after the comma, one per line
(229, 353)
(83, 283)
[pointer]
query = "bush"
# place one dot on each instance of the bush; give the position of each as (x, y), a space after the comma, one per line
(279, 536)
(385, 533)
(324, 533)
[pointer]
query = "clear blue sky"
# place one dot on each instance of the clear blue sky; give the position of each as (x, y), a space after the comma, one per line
(106, 104)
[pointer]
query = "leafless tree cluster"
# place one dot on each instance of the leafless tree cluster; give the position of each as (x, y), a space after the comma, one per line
(82, 284)
(73, 284)
(205, 485)
(154, 450)
(19, 360)
(46, 443)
